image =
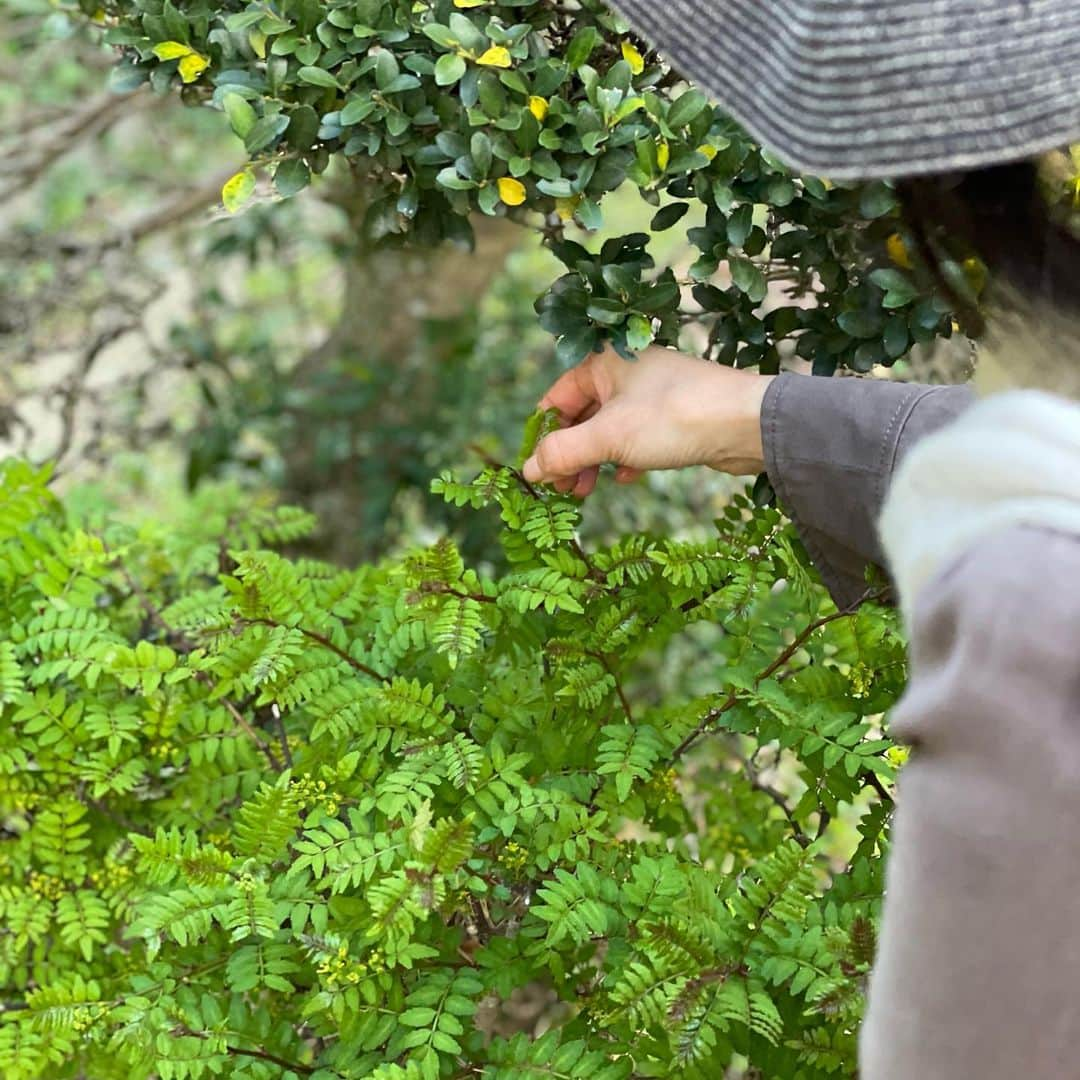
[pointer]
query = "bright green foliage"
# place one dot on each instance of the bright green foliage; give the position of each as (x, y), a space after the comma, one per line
(523, 108)
(265, 818)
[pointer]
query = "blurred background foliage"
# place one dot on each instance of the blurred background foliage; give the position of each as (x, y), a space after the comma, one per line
(151, 340)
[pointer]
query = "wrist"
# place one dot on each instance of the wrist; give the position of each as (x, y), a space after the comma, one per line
(735, 443)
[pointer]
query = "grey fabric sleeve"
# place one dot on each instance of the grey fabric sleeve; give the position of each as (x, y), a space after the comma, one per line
(831, 446)
(980, 940)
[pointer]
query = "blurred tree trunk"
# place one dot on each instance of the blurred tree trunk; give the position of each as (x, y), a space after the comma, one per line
(366, 398)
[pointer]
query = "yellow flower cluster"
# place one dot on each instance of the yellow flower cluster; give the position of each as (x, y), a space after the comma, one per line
(110, 876)
(860, 680)
(45, 885)
(14, 797)
(661, 788)
(513, 857)
(316, 793)
(339, 970)
(82, 1020)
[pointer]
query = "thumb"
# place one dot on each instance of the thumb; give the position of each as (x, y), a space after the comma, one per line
(566, 453)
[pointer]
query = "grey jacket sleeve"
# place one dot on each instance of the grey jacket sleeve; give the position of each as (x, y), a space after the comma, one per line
(831, 446)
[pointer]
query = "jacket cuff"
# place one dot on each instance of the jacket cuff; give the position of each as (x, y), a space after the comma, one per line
(830, 447)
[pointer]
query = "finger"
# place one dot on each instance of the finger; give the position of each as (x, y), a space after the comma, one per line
(563, 454)
(586, 482)
(564, 485)
(581, 388)
(623, 475)
(571, 394)
(588, 412)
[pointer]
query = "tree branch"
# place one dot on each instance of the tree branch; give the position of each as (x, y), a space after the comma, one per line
(162, 217)
(95, 118)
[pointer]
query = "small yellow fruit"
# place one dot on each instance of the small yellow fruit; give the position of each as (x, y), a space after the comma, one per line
(511, 191)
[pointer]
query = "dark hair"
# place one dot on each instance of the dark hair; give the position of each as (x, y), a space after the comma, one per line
(1005, 216)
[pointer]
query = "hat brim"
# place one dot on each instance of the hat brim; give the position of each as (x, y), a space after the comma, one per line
(880, 88)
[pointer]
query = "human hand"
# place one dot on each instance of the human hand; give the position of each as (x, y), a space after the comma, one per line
(665, 410)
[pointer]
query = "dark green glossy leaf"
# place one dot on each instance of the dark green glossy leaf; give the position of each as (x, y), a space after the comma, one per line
(669, 216)
(291, 176)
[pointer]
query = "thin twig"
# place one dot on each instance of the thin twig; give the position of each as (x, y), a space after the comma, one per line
(238, 716)
(733, 698)
(71, 394)
(777, 797)
(283, 738)
(874, 781)
(326, 643)
(480, 598)
(618, 684)
(264, 1055)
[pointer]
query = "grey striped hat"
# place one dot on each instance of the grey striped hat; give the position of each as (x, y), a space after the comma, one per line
(852, 89)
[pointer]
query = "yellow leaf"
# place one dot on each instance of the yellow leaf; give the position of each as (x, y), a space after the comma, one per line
(98, 17)
(976, 272)
(633, 58)
(237, 190)
(707, 151)
(192, 66)
(511, 191)
(898, 251)
(496, 56)
(663, 154)
(567, 208)
(539, 107)
(257, 41)
(172, 50)
(469, 3)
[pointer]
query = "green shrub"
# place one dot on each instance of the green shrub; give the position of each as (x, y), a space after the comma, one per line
(270, 818)
(265, 817)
